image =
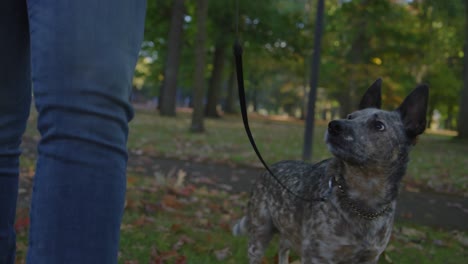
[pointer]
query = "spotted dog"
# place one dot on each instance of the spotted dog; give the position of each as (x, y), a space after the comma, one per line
(339, 210)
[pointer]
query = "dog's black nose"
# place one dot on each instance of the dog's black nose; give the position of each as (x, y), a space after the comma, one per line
(335, 127)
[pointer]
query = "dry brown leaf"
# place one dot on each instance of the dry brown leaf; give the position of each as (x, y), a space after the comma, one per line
(181, 260)
(182, 241)
(413, 234)
(176, 227)
(171, 201)
(222, 254)
(181, 174)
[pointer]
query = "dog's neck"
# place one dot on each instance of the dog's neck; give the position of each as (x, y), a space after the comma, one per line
(371, 186)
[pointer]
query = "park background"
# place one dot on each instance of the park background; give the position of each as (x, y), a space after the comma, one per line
(191, 165)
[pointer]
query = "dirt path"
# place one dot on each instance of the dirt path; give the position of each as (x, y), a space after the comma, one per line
(437, 210)
(432, 209)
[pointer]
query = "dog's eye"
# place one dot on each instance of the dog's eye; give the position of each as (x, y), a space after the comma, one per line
(349, 117)
(379, 126)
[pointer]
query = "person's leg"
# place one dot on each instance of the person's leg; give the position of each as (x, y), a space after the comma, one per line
(15, 98)
(83, 56)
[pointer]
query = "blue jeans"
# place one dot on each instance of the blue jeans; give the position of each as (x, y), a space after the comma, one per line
(78, 56)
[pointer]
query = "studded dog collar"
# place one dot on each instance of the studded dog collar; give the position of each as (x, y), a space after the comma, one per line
(360, 211)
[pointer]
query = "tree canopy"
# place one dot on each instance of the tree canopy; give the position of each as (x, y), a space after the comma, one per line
(404, 42)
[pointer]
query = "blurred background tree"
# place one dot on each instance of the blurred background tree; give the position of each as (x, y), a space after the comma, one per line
(403, 41)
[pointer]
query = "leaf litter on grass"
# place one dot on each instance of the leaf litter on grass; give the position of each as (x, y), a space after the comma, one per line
(188, 215)
(175, 221)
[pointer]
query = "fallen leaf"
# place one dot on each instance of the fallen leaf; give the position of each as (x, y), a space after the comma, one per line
(461, 238)
(182, 241)
(137, 152)
(31, 171)
(412, 189)
(131, 204)
(181, 260)
(143, 220)
(160, 257)
(155, 258)
(183, 191)
(415, 245)
(222, 254)
(407, 215)
(215, 207)
(21, 246)
(131, 180)
(439, 242)
(169, 254)
(204, 180)
(225, 187)
(234, 178)
(413, 234)
(22, 223)
(171, 201)
(181, 174)
(390, 248)
(226, 227)
(176, 228)
(151, 208)
(387, 258)
(160, 178)
(204, 222)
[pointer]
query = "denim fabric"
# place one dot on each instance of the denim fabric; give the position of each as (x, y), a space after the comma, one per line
(15, 98)
(81, 62)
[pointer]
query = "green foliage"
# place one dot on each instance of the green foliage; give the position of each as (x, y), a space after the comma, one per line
(404, 43)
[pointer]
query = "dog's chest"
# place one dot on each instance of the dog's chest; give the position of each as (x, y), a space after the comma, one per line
(322, 232)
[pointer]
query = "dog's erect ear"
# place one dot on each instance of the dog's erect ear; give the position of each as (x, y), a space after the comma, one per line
(372, 98)
(413, 111)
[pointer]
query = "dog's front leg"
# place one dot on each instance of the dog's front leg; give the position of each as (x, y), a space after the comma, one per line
(257, 247)
(310, 253)
(283, 252)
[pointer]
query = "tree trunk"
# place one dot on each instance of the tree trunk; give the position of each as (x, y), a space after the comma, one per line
(346, 105)
(449, 120)
(199, 73)
(231, 94)
(169, 88)
(356, 56)
(463, 114)
(350, 98)
(254, 99)
(304, 88)
(314, 75)
(216, 79)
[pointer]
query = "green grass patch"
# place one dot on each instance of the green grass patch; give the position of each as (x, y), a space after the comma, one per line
(169, 221)
(437, 161)
(424, 245)
(194, 225)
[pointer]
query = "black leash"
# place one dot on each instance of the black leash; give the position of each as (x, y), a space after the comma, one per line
(242, 101)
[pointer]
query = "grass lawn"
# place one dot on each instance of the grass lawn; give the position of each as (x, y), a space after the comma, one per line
(438, 162)
(165, 222)
(188, 224)
(194, 224)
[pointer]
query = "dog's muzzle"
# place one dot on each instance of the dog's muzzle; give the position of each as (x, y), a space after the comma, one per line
(339, 131)
(335, 128)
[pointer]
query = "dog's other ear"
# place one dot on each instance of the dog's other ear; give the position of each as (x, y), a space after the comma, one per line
(372, 98)
(413, 111)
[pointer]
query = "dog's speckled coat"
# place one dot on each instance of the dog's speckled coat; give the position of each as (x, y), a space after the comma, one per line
(354, 223)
